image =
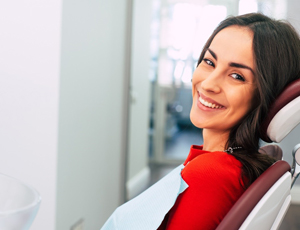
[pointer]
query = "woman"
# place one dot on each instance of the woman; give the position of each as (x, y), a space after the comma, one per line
(244, 66)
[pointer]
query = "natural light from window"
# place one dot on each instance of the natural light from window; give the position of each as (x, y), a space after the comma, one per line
(247, 6)
(186, 32)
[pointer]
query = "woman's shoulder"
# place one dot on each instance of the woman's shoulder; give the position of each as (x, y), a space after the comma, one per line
(214, 185)
(214, 159)
(219, 166)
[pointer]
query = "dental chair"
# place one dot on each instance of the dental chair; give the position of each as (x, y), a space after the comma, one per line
(264, 204)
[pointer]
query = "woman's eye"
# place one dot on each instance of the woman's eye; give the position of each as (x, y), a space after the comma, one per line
(209, 62)
(237, 77)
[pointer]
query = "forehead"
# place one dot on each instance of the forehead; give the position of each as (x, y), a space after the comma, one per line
(234, 44)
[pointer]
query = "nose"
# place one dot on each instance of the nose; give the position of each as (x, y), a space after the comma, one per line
(212, 83)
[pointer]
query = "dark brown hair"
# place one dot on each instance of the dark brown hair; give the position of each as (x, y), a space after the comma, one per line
(276, 49)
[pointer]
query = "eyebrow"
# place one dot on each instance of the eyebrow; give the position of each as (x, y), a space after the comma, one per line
(232, 64)
(237, 65)
(212, 53)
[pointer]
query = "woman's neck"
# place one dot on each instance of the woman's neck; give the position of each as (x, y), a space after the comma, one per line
(214, 140)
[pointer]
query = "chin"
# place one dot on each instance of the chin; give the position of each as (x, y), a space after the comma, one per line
(195, 121)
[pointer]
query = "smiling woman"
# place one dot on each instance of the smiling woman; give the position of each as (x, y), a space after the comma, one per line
(244, 66)
(262, 57)
(223, 86)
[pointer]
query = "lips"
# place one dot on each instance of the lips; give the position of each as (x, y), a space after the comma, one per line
(209, 102)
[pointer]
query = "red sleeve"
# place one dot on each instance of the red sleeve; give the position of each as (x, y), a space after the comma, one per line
(214, 186)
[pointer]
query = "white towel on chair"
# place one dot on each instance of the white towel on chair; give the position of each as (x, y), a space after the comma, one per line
(147, 211)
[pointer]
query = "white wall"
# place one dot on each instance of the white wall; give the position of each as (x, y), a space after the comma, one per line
(29, 80)
(91, 111)
(293, 16)
(62, 86)
(138, 172)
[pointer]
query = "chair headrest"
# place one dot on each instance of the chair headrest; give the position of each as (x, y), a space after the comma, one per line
(272, 150)
(284, 114)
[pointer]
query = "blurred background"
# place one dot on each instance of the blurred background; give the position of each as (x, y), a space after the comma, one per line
(95, 97)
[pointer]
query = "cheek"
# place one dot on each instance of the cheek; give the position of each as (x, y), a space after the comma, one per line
(196, 79)
(194, 82)
(242, 102)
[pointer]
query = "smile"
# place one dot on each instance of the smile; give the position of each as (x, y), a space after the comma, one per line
(209, 104)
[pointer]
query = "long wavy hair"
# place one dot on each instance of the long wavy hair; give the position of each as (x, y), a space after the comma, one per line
(276, 49)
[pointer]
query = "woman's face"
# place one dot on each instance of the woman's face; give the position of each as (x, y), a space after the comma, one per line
(224, 82)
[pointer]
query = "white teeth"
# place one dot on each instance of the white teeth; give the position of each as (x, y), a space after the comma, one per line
(209, 104)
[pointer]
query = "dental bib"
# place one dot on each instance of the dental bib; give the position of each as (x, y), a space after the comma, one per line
(148, 210)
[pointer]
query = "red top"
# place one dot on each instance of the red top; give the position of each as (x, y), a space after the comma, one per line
(214, 186)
